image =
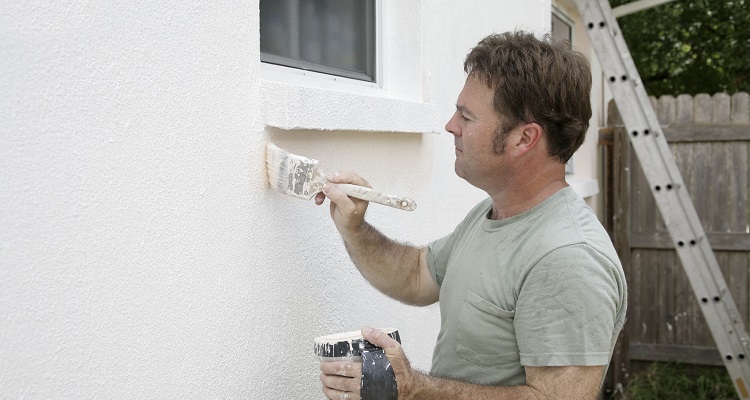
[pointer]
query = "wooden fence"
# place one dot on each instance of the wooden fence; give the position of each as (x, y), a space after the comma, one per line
(710, 139)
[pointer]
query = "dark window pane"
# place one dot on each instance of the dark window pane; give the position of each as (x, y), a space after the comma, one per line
(561, 30)
(331, 36)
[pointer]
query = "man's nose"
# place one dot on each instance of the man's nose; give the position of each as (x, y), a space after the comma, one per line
(451, 125)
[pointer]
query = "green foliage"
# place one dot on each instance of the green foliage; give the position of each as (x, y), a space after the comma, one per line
(698, 46)
(680, 381)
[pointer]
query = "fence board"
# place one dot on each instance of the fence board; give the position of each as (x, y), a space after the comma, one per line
(721, 108)
(718, 200)
(666, 297)
(703, 109)
(706, 133)
(739, 268)
(685, 304)
(684, 108)
(738, 215)
(667, 111)
(719, 241)
(741, 108)
(649, 293)
(701, 355)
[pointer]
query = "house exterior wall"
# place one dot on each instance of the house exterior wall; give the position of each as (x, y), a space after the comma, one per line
(142, 252)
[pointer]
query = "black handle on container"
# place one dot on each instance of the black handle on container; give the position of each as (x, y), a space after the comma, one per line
(378, 379)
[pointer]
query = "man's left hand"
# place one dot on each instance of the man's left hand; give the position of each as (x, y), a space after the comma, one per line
(342, 379)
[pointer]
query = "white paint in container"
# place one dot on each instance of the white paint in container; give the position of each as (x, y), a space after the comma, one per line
(347, 346)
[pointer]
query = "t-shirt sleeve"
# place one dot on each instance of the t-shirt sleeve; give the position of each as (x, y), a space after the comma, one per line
(567, 308)
(438, 253)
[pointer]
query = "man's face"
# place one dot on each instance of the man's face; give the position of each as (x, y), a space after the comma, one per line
(474, 126)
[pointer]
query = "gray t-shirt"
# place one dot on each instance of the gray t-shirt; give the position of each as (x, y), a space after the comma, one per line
(543, 288)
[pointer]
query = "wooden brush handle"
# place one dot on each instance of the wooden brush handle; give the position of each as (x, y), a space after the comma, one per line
(365, 193)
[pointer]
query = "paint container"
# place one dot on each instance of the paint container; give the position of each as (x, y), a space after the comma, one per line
(378, 379)
(347, 346)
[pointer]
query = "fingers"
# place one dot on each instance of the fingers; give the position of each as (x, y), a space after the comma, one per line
(342, 368)
(348, 205)
(406, 378)
(340, 395)
(339, 198)
(348, 214)
(341, 379)
(348, 208)
(347, 177)
(380, 339)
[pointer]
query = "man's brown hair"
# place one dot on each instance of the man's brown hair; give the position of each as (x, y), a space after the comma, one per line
(536, 80)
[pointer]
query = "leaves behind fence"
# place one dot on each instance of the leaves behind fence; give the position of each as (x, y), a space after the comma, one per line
(691, 46)
(680, 381)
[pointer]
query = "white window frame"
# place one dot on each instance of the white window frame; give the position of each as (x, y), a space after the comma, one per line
(300, 99)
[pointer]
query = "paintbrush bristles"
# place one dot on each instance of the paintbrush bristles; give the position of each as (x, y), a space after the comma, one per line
(292, 174)
(277, 165)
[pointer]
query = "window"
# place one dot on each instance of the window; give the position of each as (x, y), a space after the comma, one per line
(335, 37)
(562, 30)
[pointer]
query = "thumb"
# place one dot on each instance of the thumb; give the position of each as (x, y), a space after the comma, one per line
(391, 346)
(378, 337)
(406, 378)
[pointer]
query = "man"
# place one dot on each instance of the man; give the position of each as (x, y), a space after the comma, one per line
(532, 294)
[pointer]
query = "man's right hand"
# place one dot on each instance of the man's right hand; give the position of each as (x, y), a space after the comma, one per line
(348, 213)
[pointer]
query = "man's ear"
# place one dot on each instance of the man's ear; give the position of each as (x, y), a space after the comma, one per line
(528, 137)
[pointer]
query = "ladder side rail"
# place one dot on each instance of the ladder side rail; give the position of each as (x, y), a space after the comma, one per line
(667, 186)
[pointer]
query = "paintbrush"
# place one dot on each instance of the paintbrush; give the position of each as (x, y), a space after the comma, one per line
(300, 177)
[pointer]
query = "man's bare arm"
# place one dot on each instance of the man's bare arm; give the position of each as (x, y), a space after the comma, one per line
(568, 382)
(396, 269)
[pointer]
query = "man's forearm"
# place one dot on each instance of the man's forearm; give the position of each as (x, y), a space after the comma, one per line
(392, 267)
(426, 387)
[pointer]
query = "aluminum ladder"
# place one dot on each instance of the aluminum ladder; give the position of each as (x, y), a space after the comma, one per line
(668, 189)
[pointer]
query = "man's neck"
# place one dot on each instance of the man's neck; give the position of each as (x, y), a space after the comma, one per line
(515, 205)
(529, 187)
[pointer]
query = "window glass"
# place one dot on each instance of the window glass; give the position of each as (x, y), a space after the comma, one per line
(561, 30)
(330, 36)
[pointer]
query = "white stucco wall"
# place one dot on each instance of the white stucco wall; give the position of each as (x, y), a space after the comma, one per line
(142, 253)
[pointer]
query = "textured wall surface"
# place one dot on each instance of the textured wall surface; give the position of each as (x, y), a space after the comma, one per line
(142, 253)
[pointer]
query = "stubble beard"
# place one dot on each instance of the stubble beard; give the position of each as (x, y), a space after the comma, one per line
(500, 140)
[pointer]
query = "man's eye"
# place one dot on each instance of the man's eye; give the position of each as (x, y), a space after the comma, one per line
(463, 117)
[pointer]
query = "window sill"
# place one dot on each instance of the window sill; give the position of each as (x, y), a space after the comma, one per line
(291, 106)
(584, 187)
